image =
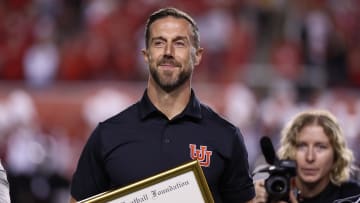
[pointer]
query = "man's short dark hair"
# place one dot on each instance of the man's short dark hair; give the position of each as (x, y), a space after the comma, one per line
(176, 13)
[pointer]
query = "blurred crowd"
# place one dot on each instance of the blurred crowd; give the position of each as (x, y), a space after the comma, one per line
(42, 41)
(265, 59)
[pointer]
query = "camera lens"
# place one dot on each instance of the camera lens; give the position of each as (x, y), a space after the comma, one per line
(277, 186)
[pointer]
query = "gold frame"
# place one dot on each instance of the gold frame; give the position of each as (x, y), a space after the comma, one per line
(192, 166)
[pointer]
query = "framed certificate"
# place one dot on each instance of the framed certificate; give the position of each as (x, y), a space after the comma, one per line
(185, 183)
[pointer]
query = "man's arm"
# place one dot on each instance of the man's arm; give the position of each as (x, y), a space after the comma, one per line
(72, 200)
(251, 201)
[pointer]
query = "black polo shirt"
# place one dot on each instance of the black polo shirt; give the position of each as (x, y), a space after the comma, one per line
(140, 142)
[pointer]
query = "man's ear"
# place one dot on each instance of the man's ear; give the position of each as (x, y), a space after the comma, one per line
(145, 54)
(198, 56)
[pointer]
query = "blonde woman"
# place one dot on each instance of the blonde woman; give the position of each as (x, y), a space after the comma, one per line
(315, 141)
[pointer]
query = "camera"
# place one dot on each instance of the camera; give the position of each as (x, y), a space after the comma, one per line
(280, 172)
(277, 184)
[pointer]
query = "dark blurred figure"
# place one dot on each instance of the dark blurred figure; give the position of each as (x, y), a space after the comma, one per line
(4, 186)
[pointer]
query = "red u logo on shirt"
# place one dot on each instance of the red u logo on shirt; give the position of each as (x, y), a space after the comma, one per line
(202, 155)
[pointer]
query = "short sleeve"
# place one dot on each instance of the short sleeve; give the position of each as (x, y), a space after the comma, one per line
(90, 177)
(237, 184)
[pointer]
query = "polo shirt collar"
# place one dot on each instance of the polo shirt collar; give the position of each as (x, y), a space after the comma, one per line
(192, 109)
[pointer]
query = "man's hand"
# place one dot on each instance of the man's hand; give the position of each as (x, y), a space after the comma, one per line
(72, 200)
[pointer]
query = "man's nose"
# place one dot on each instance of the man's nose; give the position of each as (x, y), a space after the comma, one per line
(169, 50)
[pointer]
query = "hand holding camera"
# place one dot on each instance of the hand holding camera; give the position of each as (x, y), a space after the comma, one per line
(278, 184)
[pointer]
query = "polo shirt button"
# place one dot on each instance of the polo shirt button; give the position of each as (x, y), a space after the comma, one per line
(166, 140)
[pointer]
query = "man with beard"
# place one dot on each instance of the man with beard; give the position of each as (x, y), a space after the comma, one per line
(168, 126)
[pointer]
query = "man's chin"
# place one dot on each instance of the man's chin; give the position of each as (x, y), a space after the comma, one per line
(168, 88)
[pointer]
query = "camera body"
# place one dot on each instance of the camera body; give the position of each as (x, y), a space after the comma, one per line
(278, 184)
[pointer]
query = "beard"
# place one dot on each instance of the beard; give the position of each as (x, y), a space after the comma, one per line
(167, 81)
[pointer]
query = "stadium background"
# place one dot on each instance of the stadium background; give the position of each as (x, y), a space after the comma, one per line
(67, 64)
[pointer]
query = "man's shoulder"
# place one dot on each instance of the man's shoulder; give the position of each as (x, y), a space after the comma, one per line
(210, 115)
(124, 115)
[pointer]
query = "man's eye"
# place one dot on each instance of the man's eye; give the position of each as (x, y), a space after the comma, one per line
(180, 43)
(158, 43)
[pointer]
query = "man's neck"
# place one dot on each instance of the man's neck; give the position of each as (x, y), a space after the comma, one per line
(169, 103)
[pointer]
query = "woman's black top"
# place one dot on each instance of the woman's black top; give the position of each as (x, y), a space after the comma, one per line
(333, 192)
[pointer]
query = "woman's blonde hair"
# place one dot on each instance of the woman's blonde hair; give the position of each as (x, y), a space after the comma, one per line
(343, 156)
